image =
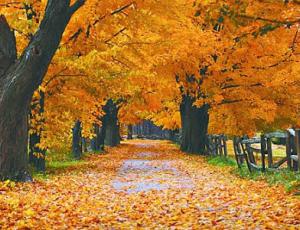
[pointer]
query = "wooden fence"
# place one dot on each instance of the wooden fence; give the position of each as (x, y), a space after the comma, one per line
(244, 149)
(217, 145)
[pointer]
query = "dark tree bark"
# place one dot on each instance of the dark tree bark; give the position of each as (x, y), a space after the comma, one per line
(102, 136)
(139, 130)
(97, 143)
(36, 154)
(19, 78)
(147, 129)
(112, 132)
(130, 132)
(84, 144)
(171, 135)
(76, 140)
(94, 141)
(194, 126)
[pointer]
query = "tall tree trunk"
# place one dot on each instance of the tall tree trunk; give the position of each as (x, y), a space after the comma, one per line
(139, 130)
(13, 146)
(36, 154)
(13, 120)
(112, 134)
(94, 142)
(97, 143)
(76, 141)
(102, 136)
(19, 78)
(84, 144)
(194, 126)
(130, 132)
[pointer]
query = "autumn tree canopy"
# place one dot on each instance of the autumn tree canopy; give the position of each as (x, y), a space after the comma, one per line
(238, 60)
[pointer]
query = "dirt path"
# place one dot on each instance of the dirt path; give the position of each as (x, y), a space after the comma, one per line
(147, 185)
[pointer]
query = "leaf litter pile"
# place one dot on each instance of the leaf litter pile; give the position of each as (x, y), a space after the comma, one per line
(146, 184)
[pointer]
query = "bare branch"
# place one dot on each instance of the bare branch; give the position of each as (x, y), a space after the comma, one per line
(295, 40)
(55, 76)
(237, 86)
(256, 18)
(75, 35)
(76, 6)
(227, 101)
(121, 8)
(115, 35)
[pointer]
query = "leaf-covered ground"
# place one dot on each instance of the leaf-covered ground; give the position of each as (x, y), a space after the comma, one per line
(146, 184)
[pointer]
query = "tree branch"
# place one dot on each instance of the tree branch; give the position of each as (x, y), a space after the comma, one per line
(121, 9)
(255, 18)
(227, 101)
(115, 35)
(237, 86)
(76, 6)
(54, 77)
(29, 71)
(8, 50)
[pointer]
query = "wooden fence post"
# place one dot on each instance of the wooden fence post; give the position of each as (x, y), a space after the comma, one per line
(263, 151)
(225, 145)
(297, 143)
(269, 151)
(288, 149)
(216, 146)
(208, 145)
(219, 138)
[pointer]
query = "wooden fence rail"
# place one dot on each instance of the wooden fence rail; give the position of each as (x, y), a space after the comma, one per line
(217, 145)
(244, 149)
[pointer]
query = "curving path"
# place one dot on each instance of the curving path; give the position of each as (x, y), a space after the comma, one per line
(147, 185)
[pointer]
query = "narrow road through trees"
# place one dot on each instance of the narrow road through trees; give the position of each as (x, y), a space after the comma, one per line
(147, 184)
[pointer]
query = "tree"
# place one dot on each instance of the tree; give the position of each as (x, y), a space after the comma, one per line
(97, 142)
(20, 77)
(246, 83)
(129, 132)
(77, 140)
(194, 126)
(132, 51)
(248, 80)
(112, 126)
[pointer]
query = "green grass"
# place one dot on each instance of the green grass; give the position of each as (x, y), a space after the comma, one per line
(221, 161)
(63, 164)
(57, 164)
(59, 156)
(98, 152)
(40, 176)
(289, 179)
(55, 167)
(58, 161)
